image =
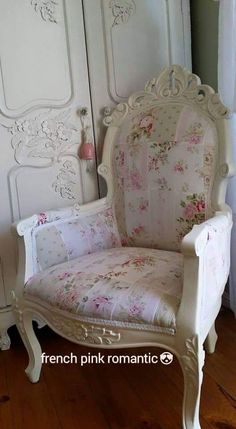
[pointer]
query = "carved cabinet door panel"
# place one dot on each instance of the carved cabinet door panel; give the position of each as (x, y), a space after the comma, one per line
(43, 84)
(134, 40)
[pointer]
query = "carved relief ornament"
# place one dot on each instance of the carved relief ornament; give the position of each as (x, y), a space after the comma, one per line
(84, 333)
(193, 360)
(122, 10)
(65, 182)
(46, 8)
(174, 84)
(178, 83)
(46, 136)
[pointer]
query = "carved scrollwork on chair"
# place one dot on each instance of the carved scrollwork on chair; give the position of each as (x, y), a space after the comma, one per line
(117, 115)
(103, 170)
(192, 363)
(5, 341)
(83, 333)
(18, 313)
(193, 360)
(177, 82)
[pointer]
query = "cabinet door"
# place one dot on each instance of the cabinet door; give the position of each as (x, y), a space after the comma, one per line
(134, 40)
(43, 83)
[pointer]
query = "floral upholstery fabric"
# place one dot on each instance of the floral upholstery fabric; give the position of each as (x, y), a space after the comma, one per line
(133, 285)
(163, 162)
(68, 239)
(216, 262)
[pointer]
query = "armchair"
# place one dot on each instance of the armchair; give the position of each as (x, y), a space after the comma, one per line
(147, 264)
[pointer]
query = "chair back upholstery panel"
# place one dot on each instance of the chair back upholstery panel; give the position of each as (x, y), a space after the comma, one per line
(164, 160)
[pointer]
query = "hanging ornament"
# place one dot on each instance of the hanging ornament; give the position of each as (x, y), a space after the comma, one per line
(86, 151)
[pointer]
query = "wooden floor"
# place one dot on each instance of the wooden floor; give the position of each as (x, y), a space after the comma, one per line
(114, 396)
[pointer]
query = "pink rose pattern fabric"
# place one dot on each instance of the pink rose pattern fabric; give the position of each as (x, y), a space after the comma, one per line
(194, 213)
(68, 239)
(121, 284)
(164, 162)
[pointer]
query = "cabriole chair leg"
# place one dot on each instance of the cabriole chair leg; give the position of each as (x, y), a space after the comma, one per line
(211, 339)
(192, 363)
(25, 327)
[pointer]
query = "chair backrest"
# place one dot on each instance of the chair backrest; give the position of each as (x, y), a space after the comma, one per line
(165, 159)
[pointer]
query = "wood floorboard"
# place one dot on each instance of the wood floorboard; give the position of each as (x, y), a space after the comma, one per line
(163, 402)
(31, 405)
(6, 421)
(114, 396)
(121, 406)
(70, 394)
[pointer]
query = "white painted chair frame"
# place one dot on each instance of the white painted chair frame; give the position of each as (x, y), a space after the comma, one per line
(173, 85)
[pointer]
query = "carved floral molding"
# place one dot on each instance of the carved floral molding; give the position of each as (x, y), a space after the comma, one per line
(122, 10)
(193, 361)
(85, 333)
(45, 136)
(72, 329)
(65, 181)
(46, 8)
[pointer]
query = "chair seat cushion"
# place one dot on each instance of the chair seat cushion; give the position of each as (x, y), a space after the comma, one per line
(119, 285)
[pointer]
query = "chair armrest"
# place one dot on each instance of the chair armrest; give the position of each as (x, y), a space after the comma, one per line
(54, 237)
(196, 240)
(206, 250)
(22, 226)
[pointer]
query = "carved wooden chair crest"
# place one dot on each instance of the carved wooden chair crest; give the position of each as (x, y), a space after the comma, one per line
(148, 263)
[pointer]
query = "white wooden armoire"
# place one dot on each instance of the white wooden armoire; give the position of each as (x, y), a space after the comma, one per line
(57, 56)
